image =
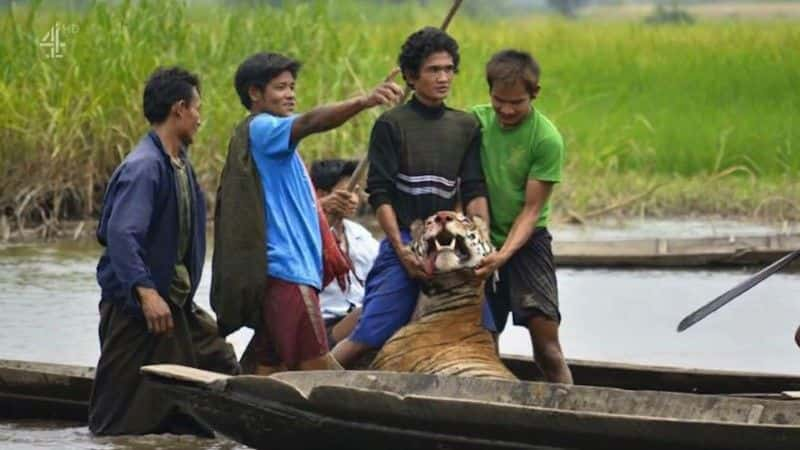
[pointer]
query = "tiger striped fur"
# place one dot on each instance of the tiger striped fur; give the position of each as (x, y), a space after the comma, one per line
(446, 336)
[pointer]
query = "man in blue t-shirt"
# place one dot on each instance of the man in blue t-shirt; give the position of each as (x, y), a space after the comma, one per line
(291, 334)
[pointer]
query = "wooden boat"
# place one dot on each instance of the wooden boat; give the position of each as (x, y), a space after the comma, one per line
(362, 409)
(33, 390)
(661, 378)
(679, 252)
(55, 391)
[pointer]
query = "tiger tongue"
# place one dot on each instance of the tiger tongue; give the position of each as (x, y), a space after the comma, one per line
(428, 263)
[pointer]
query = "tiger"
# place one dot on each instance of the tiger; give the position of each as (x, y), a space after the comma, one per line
(445, 335)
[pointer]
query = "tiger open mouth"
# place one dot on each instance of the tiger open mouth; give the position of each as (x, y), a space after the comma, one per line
(446, 241)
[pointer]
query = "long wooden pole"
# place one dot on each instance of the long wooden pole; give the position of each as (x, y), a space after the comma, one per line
(361, 168)
(702, 312)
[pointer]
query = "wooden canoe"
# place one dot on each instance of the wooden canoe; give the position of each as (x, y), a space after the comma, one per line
(677, 252)
(33, 390)
(54, 391)
(362, 409)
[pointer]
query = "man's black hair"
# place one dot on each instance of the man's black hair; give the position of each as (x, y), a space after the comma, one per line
(509, 66)
(258, 70)
(424, 43)
(326, 173)
(164, 88)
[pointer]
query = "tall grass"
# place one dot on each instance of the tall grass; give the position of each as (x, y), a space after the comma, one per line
(633, 101)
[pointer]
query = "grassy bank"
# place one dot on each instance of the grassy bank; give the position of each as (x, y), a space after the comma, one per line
(703, 117)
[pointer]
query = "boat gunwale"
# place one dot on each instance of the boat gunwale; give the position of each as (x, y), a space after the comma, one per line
(584, 413)
(664, 369)
(44, 368)
(80, 371)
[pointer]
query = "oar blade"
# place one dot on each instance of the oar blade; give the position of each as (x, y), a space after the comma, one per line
(703, 312)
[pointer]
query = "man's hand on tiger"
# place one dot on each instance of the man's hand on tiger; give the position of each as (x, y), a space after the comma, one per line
(489, 265)
(414, 267)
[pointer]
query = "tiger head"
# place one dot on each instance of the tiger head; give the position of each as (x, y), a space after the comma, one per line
(449, 241)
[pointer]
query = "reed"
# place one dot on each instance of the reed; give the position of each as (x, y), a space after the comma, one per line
(636, 103)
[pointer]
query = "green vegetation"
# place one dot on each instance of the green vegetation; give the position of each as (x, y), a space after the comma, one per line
(704, 116)
(669, 14)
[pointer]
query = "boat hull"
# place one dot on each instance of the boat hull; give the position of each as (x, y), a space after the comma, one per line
(411, 411)
(30, 390)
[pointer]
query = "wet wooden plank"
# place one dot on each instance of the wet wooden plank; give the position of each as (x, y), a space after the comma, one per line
(32, 390)
(183, 373)
(661, 378)
(677, 252)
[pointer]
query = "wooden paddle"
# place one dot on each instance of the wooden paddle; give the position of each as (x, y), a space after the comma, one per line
(736, 291)
(361, 168)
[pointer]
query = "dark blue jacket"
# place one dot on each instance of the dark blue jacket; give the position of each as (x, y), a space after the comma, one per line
(139, 227)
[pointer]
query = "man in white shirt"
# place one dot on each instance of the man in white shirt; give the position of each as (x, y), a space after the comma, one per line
(341, 309)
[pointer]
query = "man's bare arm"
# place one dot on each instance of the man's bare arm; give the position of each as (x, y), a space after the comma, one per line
(387, 218)
(536, 195)
(328, 117)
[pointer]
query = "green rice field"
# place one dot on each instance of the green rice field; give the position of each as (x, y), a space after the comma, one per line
(658, 120)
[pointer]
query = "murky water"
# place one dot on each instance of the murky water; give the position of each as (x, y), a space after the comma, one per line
(36, 435)
(48, 299)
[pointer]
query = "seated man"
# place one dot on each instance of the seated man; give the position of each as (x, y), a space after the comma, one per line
(341, 308)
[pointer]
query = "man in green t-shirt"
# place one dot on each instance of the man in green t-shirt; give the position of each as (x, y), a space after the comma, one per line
(522, 154)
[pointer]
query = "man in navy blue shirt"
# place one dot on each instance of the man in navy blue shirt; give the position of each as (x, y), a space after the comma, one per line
(153, 229)
(273, 224)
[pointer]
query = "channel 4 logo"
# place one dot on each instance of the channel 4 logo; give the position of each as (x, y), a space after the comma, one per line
(53, 41)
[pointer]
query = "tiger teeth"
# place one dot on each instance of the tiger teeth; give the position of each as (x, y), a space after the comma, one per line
(451, 245)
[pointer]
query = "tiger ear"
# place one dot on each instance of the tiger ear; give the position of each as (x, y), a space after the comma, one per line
(417, 229)
(480, 224)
